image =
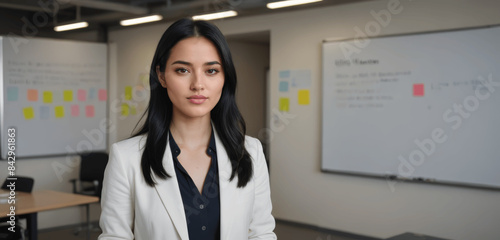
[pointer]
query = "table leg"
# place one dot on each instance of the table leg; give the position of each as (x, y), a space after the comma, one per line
(32, 223)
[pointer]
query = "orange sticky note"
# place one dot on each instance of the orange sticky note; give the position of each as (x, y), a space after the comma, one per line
(68, 95)
(103, 95)
(32, 95)
(75, 110)
(89, 111)
(418, 90)
(303, 97)
(82, 95)
(59, 111)
(47, 97)
(29, 113)
(284, 104)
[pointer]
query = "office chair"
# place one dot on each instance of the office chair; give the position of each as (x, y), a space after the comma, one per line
(22, 184)
(89, 182)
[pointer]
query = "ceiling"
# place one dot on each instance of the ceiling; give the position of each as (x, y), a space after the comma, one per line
(34, 17)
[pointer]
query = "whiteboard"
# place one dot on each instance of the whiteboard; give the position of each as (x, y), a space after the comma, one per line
(417, 107)
(54, 94)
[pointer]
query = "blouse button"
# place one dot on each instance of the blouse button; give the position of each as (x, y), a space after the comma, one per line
(203, 228)
(202, 206)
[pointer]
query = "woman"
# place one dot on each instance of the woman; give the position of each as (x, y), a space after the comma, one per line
(190, 172)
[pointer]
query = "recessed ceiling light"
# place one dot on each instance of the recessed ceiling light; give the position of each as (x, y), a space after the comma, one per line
(289, 3)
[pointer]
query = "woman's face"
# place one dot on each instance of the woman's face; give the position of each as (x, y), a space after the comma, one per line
(193, 77)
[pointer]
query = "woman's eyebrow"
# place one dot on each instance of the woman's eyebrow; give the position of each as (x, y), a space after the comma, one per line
(190, 64)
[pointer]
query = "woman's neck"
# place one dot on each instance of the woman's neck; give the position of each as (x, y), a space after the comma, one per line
(191, 133)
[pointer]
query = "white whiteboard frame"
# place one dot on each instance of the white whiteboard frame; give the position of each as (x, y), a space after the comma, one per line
(390, 177)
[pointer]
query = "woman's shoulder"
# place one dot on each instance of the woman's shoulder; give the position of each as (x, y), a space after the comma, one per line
(251, 142)
(133, 144)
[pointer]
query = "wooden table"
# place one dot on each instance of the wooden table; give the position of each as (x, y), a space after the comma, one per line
(29, 204)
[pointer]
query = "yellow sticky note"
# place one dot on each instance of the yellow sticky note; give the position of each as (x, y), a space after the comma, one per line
(303, 96)
(29, 113)
(133, 110)
(284, 104)
(128, 93)
(59, 111)
(125, 109)
(47, 97)
(68, 95)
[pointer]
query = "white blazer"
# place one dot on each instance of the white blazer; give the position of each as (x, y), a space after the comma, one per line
(133, 210)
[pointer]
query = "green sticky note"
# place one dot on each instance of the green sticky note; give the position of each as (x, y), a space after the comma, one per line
(284, 104)
(125, 110)
(59, 111)
(47, 97)
(29, 113)
(128, 93)
(68, 95)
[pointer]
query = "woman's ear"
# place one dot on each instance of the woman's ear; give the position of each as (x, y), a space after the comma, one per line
(161, 77)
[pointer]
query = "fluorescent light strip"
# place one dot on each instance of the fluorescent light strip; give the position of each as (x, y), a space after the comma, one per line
(141, 20)
(213, 16)
(71, 26)
(289, 3)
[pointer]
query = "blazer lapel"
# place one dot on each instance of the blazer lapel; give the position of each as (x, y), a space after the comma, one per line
(227, 189)
(170, 195)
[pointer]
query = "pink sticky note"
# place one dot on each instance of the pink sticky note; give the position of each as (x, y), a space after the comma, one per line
(418, 90)
(89, 111)
(82, 95)
(32, 95)
(75, 110)
(103, 95)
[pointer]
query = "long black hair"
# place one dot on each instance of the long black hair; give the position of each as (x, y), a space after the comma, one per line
(225, 116)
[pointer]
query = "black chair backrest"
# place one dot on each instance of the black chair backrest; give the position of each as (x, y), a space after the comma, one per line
(23, 184)
(92, 166)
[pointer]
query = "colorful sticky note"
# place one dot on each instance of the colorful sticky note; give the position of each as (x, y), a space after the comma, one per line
(283, 86)
(32, 95)
(59, 111)
(29, 113)
(89, 111)
(303, 97)
(44, 112)
(12, 93)
(133, 110)
(284, 104)
(92, 93)
(418, 90)
(68, 95)
(47, 97)
(125, 110)
(285, 74)
(128, 93)
(81, 95)
(75, 110)
(103, 95)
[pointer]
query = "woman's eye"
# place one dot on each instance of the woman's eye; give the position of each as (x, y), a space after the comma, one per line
(212, 71)
(181, 70)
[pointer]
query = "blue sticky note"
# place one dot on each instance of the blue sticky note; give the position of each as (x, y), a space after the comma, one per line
(12, 93)
(44, 112)
(285, 74)
(92, 93)
(283, 86)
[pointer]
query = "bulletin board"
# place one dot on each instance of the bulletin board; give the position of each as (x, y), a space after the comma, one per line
(420, 107)
(54, 94)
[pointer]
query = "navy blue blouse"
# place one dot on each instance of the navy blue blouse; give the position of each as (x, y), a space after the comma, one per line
(202, 210)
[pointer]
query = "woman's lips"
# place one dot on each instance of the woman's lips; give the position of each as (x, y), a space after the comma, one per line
(197, 99)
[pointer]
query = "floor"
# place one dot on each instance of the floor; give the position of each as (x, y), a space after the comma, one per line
(283, 231)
